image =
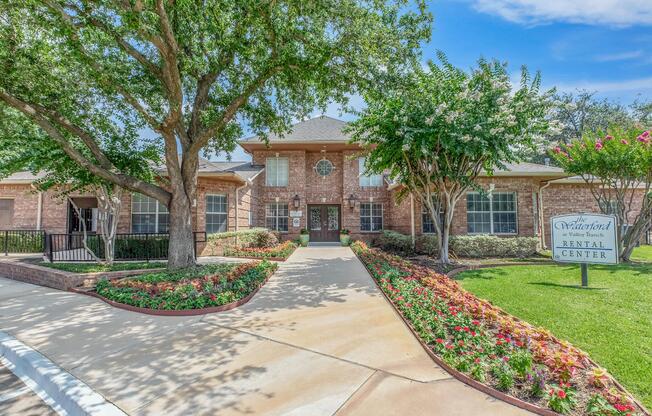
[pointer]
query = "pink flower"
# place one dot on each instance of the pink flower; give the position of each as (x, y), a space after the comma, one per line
(557, 149)
(646, 133)
(643, 139)
(623, 141)
(598, 145)
(608, 137)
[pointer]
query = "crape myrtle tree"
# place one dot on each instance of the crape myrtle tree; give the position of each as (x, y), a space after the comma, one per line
(193, 73)
(617, 167)
(440, 127)
(26, 147)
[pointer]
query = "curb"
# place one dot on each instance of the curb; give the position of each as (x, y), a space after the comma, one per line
(68, 395)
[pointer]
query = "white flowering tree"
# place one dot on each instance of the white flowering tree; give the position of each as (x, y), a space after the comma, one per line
(437, 129)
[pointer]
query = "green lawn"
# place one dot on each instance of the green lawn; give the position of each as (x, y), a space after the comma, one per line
(94, 267)
(642, 253)
(612, 320)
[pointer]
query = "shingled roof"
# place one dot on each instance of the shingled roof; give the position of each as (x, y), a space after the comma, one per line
(318, 129)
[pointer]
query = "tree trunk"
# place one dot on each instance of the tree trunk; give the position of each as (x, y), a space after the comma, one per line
(443, 250)
(181, 252)
(109, 205)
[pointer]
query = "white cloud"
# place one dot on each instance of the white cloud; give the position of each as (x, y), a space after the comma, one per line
(593, 12)
(621, 56)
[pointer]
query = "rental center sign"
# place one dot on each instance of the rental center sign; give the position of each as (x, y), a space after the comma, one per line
(584, 238)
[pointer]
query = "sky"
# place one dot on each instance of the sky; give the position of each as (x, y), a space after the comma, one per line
(598, 45)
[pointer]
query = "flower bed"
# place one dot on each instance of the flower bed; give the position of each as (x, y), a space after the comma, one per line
(279, 252)
(492, 347)
(202, 287)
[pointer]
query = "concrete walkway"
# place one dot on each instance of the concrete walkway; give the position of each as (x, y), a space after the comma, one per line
(318, 339)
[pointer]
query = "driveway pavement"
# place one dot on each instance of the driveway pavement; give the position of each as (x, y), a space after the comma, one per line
(318, 339)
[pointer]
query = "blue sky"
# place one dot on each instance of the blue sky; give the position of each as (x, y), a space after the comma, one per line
(598, 45)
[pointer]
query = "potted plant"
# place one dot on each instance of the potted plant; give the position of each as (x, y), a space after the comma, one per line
(345, 238)
(304, 237)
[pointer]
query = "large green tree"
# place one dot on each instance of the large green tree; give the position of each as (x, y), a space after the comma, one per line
(440, 127)
(191, 72)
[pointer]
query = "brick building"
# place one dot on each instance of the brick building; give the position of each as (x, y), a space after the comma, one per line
(313, 178)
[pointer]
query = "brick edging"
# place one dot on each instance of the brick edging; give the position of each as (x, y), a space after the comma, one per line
(181, 312)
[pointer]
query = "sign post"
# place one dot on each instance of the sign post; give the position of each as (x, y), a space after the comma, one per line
(585, 239)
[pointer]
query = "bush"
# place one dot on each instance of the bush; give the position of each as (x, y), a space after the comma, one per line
(394, 242)
(427, 244)
(18, 242)
(493, 246)
(132, 248)
(254, 237)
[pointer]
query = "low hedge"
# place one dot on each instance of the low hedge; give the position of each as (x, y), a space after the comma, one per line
(255, 237)
(470, 246)
(21, 243)
(152, 248)
(493, 246)
(281, 251)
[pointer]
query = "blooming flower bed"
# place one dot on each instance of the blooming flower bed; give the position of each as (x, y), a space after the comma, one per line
(281, 251)
(482, 341)
(198, 288)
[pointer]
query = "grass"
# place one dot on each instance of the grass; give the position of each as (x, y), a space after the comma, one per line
(95, 267)
(642, 253)
(611, 320)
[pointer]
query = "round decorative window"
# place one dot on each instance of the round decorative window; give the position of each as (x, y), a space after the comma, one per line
(324, 167)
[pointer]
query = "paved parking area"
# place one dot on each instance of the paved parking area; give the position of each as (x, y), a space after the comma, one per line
(318, 339)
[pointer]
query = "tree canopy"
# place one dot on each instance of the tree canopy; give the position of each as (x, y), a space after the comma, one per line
(440, 127)
(191, 72)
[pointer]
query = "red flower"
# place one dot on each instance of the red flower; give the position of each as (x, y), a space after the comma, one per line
(561, 394)
(475, 322)
(458, 328)
(439, 341)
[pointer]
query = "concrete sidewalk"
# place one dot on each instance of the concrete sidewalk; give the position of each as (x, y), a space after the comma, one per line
(318, 339)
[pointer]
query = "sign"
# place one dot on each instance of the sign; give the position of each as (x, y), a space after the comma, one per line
(296, 222)
(296, 214)
(584, 238)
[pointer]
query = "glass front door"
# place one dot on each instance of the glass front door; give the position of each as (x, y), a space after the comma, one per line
(324, 222)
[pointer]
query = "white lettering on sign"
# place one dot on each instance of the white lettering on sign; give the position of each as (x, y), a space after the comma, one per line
(584, 238)
(296, 214)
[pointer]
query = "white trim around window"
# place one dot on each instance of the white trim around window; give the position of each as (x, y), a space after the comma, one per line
(367, 181)
(148, 215)
(497, 214)
(276, 171)
(276, 216)
(217, 218)
(371, 217)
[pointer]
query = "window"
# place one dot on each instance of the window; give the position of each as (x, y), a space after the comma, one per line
(148, 215)
(491, 215)
(426, 221)
(324, 167)
(276, 171)
(216, 213)
(276, 216)
(371, 217)
(368, 180)
(6, 213)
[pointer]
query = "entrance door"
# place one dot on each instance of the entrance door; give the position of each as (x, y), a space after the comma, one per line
(324, 222)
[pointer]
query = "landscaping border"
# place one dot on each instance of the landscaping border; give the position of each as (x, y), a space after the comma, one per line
(468, 380)
(174, 312)
(459, 270)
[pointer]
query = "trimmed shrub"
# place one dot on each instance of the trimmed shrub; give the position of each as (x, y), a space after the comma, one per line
(394, 242)
(427, 244)
(254, 237)
(493, 246)
(17, 242)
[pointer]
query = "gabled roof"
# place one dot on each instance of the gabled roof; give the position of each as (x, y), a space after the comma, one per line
(319, 129)
(529, 169)
(240, 171)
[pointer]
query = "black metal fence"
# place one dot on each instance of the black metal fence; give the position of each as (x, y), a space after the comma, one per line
(22, 241)
(131, 246)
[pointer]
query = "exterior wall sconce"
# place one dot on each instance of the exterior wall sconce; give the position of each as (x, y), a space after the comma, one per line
(296, 201)
(351, 200)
